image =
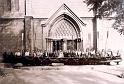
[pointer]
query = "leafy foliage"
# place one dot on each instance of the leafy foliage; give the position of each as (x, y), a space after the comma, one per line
(105, 8)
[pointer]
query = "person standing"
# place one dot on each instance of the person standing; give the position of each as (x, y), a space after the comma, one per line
(61, 55)
(18, 53)
(34, 53)
(27, 53)
(45, 54)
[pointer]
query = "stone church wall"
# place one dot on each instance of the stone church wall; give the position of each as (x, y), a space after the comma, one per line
(87, 32)
(10, 34)
(38, 33)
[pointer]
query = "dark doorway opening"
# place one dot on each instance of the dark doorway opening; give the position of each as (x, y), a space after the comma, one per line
(57, 45)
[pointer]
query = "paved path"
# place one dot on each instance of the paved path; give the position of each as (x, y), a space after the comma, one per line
(71, 75)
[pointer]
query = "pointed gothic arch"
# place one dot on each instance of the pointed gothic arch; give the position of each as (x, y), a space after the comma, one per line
(63, 33)
(65, 23)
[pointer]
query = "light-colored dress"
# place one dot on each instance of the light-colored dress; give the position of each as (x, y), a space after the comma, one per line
(61, 55)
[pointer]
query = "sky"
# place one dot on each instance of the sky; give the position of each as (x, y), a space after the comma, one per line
(46, 8)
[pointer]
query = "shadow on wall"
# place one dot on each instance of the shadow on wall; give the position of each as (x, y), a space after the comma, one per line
(8, 40)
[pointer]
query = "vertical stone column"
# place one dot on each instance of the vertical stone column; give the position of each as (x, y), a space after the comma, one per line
(28, 7)
(78, 47)
(82, 46)
(65, 45)
(28, 33)
(78, 44)
(51, 45)
(47, 44)
(43, 38)
(82, 43)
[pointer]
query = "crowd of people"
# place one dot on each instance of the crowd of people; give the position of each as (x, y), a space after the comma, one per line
(88, 53)
(38, 57)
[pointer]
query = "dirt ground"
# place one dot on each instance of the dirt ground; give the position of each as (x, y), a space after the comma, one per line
(84, 74)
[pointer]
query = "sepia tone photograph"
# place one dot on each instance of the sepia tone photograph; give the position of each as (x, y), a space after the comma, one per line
(61, 41)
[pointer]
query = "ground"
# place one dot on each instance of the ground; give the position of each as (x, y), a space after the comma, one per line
(84, 74)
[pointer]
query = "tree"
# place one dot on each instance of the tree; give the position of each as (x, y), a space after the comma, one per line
(106, 8)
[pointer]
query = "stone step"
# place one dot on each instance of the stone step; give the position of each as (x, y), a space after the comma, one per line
(57, 64)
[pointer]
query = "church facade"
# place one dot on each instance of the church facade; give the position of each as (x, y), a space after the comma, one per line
(58, 25)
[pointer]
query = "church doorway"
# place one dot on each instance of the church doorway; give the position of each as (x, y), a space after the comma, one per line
(62, 45)
(63, 34)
